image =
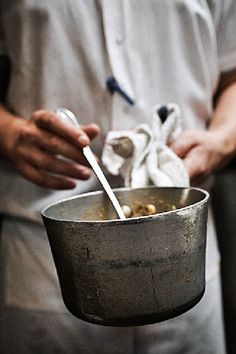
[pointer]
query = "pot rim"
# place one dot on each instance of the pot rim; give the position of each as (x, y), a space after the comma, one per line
(131, 220)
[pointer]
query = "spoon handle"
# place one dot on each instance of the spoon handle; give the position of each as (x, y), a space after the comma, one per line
(67, 116)
(98, 172)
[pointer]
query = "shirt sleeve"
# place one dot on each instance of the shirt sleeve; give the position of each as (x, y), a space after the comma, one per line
(224, 14)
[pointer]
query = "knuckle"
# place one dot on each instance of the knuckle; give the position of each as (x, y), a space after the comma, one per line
(25, 132)
(54, 143)
(36, 115)
(50, 120)
(44, 117)
(48, 164)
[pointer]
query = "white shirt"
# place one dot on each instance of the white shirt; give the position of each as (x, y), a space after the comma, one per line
(62, 53)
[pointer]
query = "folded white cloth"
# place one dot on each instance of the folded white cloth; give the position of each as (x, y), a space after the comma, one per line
(142, 156)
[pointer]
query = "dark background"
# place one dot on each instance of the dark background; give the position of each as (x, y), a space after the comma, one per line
(224, 206)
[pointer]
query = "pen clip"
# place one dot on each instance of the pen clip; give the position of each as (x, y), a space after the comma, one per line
(113, 86)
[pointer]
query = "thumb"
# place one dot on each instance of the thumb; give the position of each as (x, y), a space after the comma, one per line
(92, 130)
(190, 165)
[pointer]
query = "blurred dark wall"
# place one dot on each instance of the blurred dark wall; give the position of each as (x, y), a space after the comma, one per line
(224, 205)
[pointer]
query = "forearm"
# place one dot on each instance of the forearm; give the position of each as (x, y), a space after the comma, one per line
(9, 124)
(223, 122)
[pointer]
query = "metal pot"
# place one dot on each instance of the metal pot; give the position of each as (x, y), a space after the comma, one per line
(135, 271)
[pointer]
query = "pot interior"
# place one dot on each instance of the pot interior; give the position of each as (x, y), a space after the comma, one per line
(96, 206)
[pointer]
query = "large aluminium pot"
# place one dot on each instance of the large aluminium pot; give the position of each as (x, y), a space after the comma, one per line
(130, 272)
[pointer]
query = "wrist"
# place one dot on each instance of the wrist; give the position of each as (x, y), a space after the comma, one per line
(9, 132)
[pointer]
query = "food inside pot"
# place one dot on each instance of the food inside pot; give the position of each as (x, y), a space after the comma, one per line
(143, 210)
(99, 208)
(139, 210)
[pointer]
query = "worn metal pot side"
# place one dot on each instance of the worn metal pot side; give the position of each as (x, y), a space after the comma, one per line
(129, 272)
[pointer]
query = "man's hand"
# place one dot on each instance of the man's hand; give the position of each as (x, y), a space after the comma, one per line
(47, 151)
(202, 152)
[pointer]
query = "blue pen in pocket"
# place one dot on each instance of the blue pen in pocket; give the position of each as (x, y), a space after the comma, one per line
(113, 86)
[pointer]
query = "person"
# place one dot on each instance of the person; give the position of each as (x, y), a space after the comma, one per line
(61, 54)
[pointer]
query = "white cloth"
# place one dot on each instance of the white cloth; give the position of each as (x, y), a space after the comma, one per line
(142, 156)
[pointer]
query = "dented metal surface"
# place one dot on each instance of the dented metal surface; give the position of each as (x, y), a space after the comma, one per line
(135, 271)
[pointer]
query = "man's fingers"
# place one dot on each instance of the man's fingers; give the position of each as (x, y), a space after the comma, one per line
(197, 164)
(45, 180)
(191, 166)
(50, 122)
(49, 163)
(92, 130)
(47, 147)
(184, 143)
(57, 146)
